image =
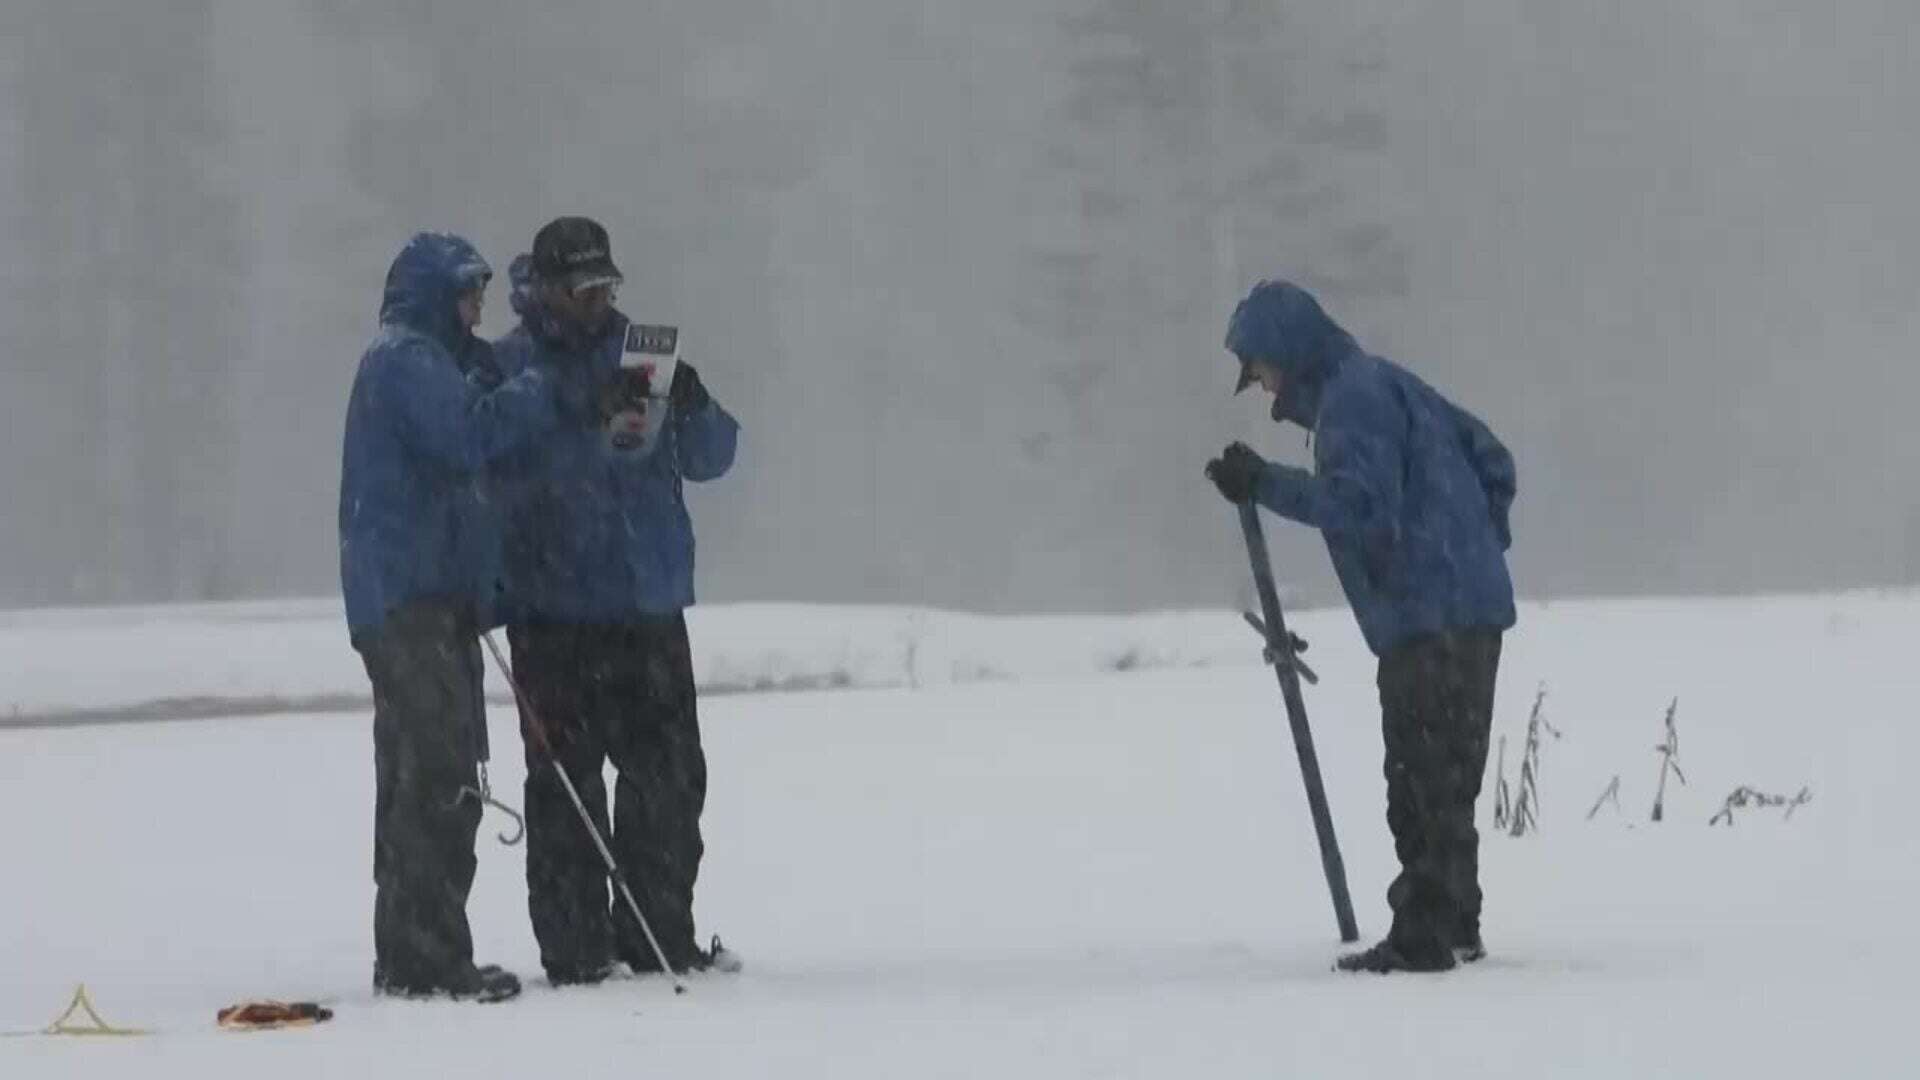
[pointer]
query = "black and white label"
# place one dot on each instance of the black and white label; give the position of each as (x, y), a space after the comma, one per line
(653, 340)
(653, 350)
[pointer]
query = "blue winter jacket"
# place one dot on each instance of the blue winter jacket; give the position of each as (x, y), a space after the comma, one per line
(598, 534)
(422, 422)
(1411, 492)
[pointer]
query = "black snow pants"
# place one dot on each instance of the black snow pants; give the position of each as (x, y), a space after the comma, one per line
(622, 693)
(429, 736)
(1436, 704)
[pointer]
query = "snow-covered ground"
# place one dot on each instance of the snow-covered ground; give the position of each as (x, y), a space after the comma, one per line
(1064, 870)
(59, 665)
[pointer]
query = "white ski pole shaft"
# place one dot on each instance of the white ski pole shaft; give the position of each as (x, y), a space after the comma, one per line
(580, 807)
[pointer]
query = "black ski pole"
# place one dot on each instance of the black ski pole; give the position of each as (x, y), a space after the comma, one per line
(1280, 647)
(546, 750)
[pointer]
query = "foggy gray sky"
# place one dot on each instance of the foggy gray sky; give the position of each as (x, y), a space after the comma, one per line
(962, 271)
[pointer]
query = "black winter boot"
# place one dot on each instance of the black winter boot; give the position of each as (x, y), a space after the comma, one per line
(482, 984)
(590, 975)
(1386, 958)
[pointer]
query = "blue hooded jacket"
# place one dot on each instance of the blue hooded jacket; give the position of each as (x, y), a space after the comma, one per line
(427, 412)
(594, 533)
(1411, 492)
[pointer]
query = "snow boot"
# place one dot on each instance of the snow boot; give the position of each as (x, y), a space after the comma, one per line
(482, 984)
(589, 975)
(1386, 957)
(717, 957)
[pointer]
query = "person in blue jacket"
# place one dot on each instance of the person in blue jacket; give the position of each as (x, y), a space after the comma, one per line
(1412, 495)
(418, 568)
(599, 559)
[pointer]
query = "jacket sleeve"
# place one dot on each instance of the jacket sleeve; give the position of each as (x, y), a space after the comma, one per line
(706, 441)
(442, 416)
(1494, 464)
(1355, 489)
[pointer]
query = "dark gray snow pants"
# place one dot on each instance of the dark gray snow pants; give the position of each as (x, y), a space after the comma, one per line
(620, 693)
(429, 737)
(1436, 706)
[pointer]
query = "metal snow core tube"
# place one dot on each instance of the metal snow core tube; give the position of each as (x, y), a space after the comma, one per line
(1280, 647)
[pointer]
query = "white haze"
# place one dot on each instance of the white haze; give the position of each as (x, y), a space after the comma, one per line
(962, 271)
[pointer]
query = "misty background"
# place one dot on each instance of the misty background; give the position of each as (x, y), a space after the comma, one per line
(962, 271)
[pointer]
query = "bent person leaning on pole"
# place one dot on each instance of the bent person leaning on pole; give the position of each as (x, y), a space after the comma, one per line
(1412, 494)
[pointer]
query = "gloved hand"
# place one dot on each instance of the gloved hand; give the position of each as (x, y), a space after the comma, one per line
(477, 364)
(623, 408)
(688, 393)
(1236, 472)
(624, 391)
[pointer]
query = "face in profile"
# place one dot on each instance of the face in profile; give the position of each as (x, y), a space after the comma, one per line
(587, 308)
(470, 304)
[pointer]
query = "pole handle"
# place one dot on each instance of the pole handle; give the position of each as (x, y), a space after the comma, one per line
(1274, 653)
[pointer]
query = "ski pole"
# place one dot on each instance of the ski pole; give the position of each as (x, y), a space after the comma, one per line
(606, 855)
(1280, 645)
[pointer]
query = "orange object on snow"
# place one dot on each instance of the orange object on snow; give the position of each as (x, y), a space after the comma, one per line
(265, 1015)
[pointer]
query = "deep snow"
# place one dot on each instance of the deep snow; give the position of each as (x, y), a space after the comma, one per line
(1069, 872)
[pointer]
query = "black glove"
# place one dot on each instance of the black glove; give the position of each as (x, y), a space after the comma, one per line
(477, 364)
(1236, 472)
(688, 393)
(623, 409)
(624, 391)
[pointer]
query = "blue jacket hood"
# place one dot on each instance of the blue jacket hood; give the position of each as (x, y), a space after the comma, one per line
(425, 418)
(1412, 493)
(424, 285)
(1281, 323)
